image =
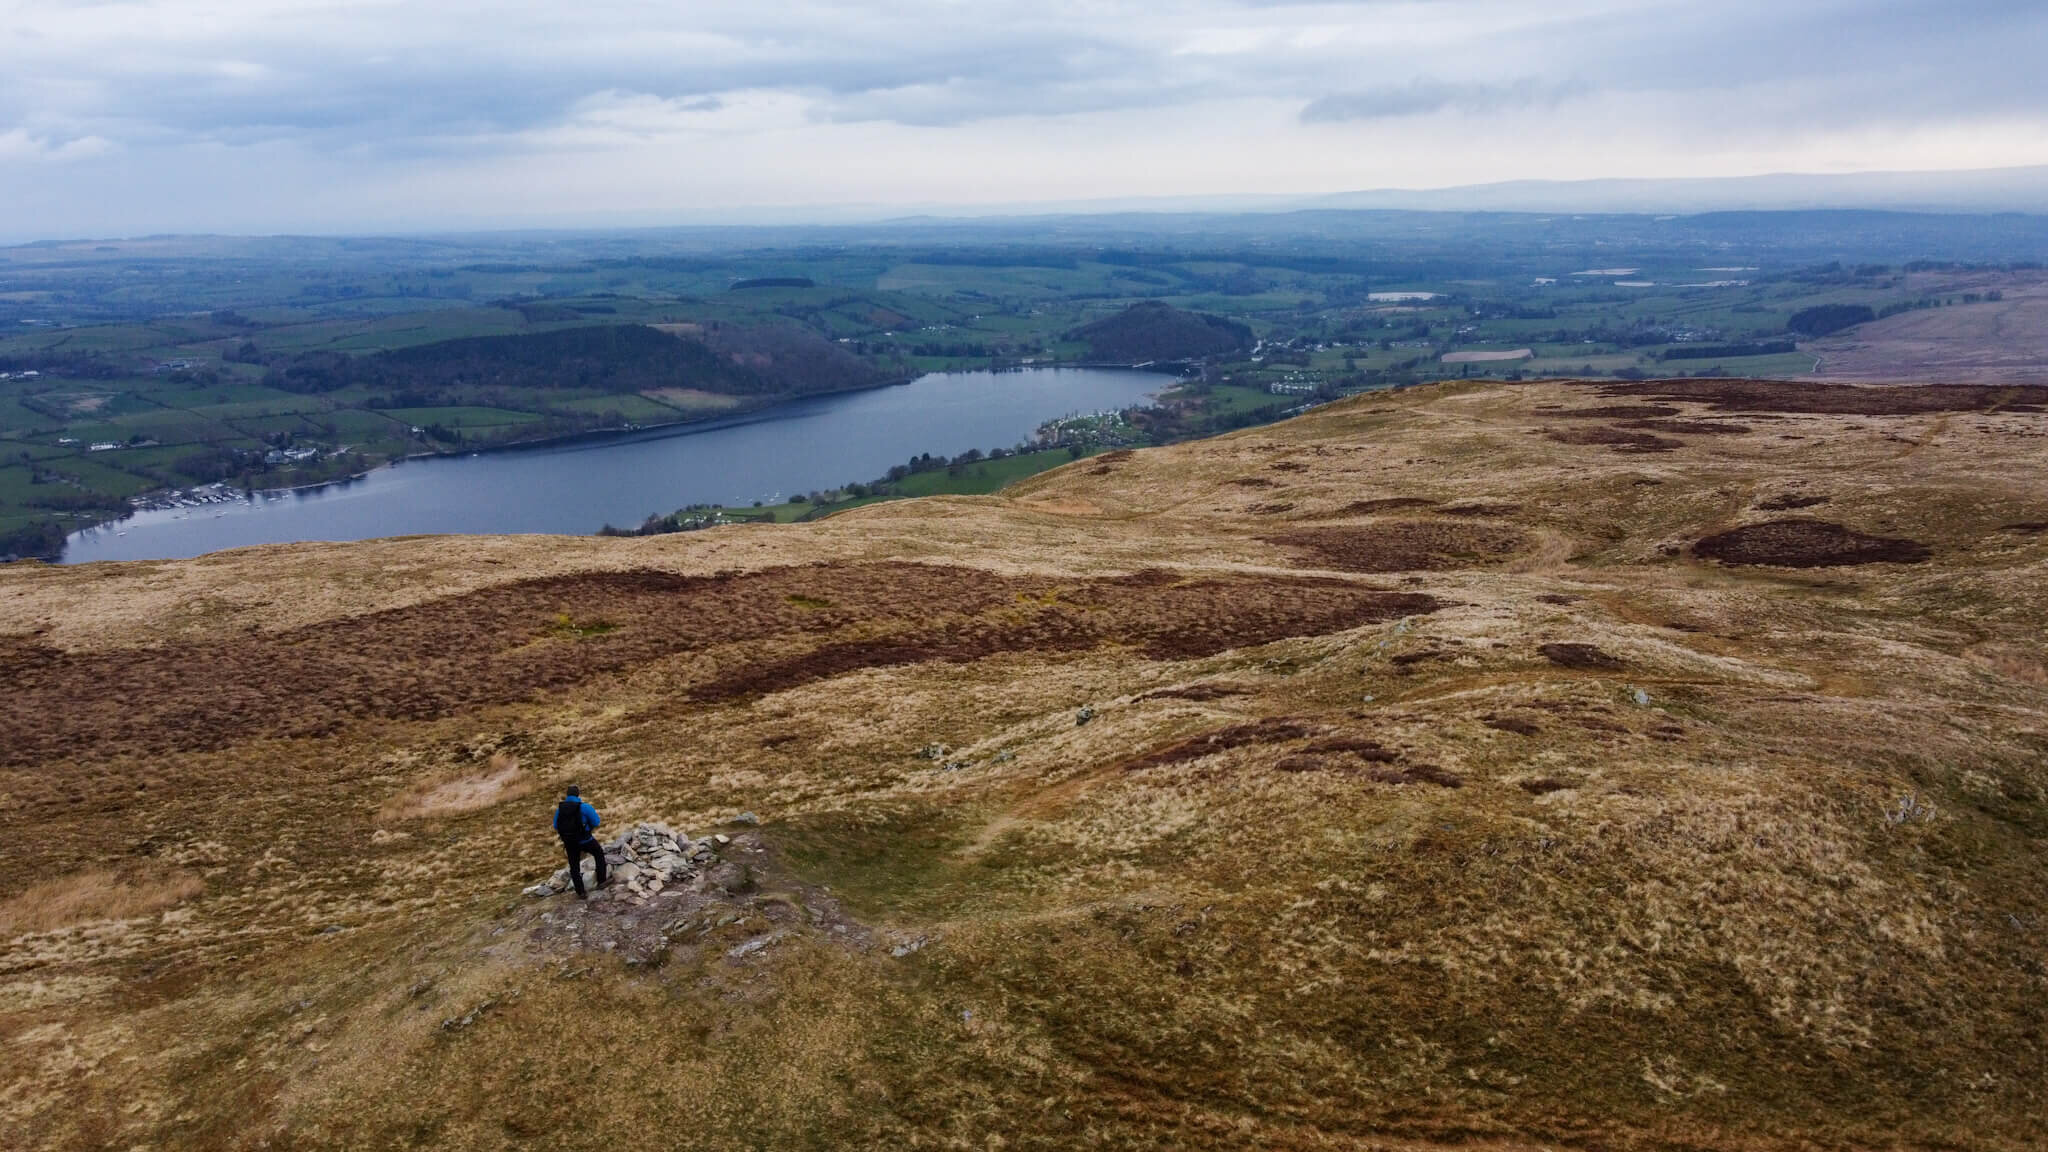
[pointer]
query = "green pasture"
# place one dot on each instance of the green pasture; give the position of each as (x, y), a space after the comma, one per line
(102, 477)
(15, 488)
(630, 407)
(360, 426)
(982, 477)
(462, 416)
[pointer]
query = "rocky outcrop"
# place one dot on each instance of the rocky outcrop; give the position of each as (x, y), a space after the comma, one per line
(641, 862)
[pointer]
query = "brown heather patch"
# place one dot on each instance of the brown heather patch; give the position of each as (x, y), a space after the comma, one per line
(1273, 509)
(1584, 657)
(1272, 730)
(1688, 427)
(1252, 482)
(506, 643)
(1837, 399)
(1614, 412)
(1790, 501)
(1514, 724)
(1806, 543)
(1161, 618)
(1618, 439)
(1480, 508)
(1418, 774)
(1106, 464)
(1384, 504)
(440, 657)
(1404, 545)
(1358, 746)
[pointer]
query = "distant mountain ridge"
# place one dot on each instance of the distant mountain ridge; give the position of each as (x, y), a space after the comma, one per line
(2018, 189)
(1981, 190)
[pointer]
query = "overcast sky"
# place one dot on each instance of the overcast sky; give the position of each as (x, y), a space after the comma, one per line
(269, 115)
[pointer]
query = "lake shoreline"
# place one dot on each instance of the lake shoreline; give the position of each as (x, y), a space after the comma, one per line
(622, 475)
(712, 420)
(709, 420)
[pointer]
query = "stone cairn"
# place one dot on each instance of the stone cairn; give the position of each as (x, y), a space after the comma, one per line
(645, 859)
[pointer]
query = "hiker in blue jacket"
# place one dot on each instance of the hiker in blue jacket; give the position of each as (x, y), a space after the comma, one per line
(575, 820)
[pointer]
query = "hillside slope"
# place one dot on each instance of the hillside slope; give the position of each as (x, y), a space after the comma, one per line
(1652, 765)
(1153, 330)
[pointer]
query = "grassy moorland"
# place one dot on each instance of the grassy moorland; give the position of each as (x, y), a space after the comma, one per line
(1592, 765)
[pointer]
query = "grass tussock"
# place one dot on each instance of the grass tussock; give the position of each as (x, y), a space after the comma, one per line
(501, 780)
(93, 896)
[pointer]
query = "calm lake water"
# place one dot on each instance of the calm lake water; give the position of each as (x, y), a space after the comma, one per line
(575, 487)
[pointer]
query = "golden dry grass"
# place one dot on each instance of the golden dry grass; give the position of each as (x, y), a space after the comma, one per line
(501, 780)
(1577, 839)
(94, 896)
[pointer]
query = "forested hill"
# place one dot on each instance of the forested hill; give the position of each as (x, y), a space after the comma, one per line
(791, 359)
(767, 361)
(1152, 330)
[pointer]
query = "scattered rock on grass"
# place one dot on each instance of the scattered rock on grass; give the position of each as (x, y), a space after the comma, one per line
(643, 860)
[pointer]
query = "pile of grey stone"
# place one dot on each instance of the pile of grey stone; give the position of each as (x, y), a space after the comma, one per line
(643, 860)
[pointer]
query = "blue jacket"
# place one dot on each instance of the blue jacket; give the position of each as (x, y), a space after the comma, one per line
(590, 820)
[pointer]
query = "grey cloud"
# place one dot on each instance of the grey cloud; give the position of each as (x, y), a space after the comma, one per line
(341, 96)
(1421, 97)
(424, 92)
(384, 77)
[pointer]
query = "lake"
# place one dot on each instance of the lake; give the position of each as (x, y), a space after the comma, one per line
(577, 486)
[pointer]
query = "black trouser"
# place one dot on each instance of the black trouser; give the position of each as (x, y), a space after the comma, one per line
(576, 852)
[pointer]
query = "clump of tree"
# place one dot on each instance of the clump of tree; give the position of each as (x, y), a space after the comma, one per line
(763, 360)
(1823, 319)
(1153, 330)
(792, 359)
(75, 365)
(41, 540)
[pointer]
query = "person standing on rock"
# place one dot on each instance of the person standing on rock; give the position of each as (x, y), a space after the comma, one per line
(575, 820)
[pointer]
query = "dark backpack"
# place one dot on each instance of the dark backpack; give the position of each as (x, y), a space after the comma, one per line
(569, 823)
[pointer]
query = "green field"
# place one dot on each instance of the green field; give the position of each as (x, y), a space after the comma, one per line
(190, 367)
(982, 477)
(628, 409)
(460, 417)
